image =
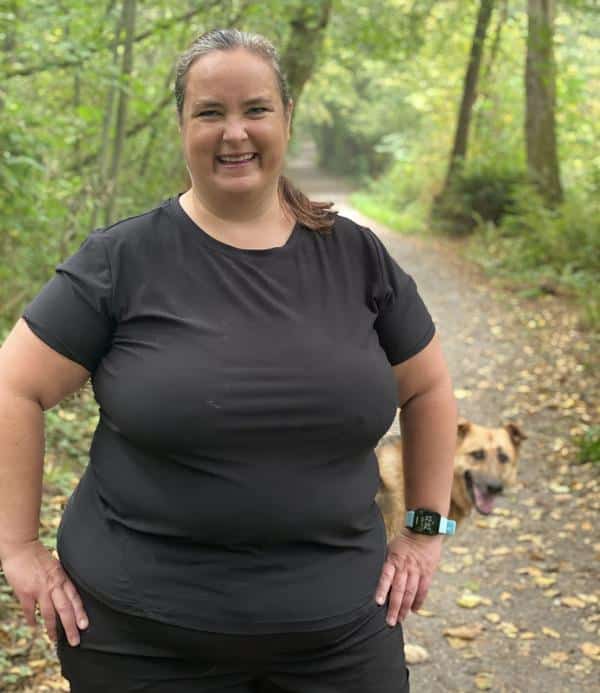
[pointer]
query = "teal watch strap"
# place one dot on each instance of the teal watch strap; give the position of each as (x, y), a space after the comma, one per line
(427, 520)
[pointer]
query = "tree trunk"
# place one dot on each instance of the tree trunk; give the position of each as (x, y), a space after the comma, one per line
(126, 69)
(308, 29)
(461, 136)
(540, 80)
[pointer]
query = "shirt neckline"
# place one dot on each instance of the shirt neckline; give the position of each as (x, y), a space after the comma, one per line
(200, 234)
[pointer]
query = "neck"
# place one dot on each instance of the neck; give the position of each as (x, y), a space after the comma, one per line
(247, 209)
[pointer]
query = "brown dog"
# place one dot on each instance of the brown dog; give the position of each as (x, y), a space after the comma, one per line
(484, 464)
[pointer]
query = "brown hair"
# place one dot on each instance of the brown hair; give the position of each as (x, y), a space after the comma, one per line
(317, 216)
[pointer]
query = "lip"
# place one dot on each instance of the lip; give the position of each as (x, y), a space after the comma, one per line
(237, 164)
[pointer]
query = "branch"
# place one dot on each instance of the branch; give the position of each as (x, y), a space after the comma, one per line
(72, 62)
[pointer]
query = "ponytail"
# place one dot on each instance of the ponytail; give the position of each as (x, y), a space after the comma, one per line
(317, 216)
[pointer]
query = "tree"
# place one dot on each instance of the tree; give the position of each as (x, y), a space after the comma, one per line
(540, 101)
(461, 136)
(307, 30)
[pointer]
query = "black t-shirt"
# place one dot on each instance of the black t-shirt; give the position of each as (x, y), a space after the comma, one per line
(232, 476)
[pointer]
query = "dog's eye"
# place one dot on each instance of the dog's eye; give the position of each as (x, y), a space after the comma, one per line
(503, 457)
(478, 454)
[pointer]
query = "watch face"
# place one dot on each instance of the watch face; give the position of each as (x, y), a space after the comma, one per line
(427, 522)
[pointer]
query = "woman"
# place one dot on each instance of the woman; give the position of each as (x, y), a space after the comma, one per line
(247, 349)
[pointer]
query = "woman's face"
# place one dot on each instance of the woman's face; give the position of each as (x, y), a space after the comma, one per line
(232, 108)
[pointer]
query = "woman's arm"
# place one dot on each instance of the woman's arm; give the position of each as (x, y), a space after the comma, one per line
(428, 420)
(33, 377)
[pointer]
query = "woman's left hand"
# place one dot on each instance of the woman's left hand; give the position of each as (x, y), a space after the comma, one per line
(408, 571)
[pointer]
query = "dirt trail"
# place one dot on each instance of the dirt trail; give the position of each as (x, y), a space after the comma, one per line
(534, 563)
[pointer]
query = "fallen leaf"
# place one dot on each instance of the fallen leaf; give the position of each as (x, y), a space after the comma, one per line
(465, 632)
(591, 650)
(573, 602)
(469, 601)
(542, 581)
(555, 659)
(550, 632)
(415, 654)
(509, 629)
(456, 643)
(484, 680)
(493, 617)
(528, 635)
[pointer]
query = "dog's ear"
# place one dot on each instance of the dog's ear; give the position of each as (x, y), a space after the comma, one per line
(464, 426)
(516, 433)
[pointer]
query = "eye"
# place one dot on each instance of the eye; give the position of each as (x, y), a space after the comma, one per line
(207, 114)
(478, 454)
(257, 110)
(503, 457)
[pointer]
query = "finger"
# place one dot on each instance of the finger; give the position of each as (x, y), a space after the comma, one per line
(410, 592)
(48, 615)
(396, 596)
(65, 611)
(422, 590)
(383, 587)
(80, 614)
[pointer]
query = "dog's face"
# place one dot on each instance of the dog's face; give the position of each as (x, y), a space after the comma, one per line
(484, 465)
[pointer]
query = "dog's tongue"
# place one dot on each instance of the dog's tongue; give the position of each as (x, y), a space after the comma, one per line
(483, 501)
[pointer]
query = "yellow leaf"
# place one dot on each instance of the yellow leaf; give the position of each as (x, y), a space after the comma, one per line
(462, 393)
(493, 617)
(588, 598)
(550, 632)
(469, 601)
(424, 612)
(573, 602)
(591, 650)
(505, 596)
(415, 654)
(37, 663)
(456, 643)
(484, 680)
(528, 635)
(465, 632)
(509, 629)
(542, 581)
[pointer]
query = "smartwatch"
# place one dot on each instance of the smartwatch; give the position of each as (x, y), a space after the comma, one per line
(425, 521)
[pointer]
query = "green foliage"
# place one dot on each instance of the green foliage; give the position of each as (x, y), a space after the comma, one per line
(548, 248)
(589, 445)
(482, 190)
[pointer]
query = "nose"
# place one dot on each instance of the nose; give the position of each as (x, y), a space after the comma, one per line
(493, 486)
(234, 130)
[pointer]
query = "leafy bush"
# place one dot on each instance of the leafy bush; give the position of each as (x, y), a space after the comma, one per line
(548, 247)
(481, 191)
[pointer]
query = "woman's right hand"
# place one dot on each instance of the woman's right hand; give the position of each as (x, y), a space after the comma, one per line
(38, 578)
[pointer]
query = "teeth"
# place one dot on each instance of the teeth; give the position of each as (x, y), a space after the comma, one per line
(243, 157)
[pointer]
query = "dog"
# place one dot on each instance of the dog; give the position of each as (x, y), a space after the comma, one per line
(485, 463)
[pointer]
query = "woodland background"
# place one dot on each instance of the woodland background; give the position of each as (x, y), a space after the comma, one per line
(476, 121)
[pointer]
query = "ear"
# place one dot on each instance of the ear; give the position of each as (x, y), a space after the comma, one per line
(516, 433)
(464, 426)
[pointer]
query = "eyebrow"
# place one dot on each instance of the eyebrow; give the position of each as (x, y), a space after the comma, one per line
(209, 104)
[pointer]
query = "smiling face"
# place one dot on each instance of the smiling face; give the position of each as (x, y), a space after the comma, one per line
(233, 110)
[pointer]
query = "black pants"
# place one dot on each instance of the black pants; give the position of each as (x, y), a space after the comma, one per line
(119, 653)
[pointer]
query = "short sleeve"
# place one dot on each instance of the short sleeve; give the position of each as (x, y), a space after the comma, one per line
(72, 313)
(403, 324)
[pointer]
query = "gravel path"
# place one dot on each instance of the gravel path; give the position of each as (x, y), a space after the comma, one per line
(533, 563)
